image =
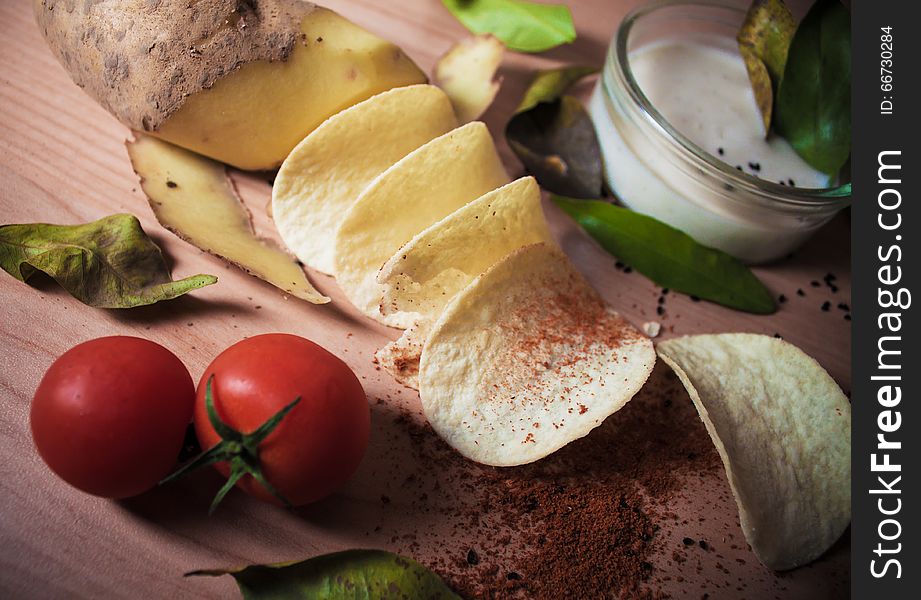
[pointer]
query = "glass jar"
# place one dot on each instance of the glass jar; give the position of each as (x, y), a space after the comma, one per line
(657, 170)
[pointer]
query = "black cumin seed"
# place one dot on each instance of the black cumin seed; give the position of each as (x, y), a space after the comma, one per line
(844, 307)
(754, 166)
(660, 311)
(687, 541)
(661, 299)
(800, 292)
(791, 182)
(826, 305)
(704, 544)
(847, 317)
(739, 167)
(695, 299)
(628, 270)
(720, 151)
(513, 576)
(472, 557)
(665, 291)
(171, 184)
(778, 336)
(814, 283)
(781, 298)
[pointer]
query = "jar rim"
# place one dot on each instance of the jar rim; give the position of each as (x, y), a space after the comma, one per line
(792, 196)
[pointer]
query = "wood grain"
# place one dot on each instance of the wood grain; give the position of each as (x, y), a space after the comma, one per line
(62, 160)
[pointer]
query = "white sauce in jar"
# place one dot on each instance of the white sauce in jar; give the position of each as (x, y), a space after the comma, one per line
(701, 88)
(704, 93)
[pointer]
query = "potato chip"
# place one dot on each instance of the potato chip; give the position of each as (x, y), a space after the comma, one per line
(324, 175)
(782, 427)
(441, 260)
(425, 186)
(423, 276)
(401, 357)
(526, 359)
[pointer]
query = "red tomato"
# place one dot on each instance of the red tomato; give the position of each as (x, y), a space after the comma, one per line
(110, 415)
(318, 445)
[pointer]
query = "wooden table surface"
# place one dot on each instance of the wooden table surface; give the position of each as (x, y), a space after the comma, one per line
(62, 160)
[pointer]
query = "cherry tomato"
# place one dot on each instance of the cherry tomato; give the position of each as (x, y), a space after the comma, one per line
(109, 417)
(317, 446)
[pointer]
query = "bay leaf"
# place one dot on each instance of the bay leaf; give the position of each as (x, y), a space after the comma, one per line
(813, 110)
(764, 40)
(371, 574)
(109, 263)
(554, 137)
(522, 26)
(550, 84)
(670, 257)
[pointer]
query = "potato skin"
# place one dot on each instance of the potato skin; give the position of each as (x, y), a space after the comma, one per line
(140, 59)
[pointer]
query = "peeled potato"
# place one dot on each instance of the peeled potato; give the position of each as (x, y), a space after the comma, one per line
(239, 81)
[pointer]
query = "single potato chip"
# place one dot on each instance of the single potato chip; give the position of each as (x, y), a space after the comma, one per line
(324, 175)
(783, 429)
(192, 197)
(423, 276)
(441, 260)
(425, 186)
(526, 359)
(467, 73)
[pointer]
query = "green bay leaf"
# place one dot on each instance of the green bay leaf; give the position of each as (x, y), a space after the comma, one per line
(813, 110)
(352, 574)
(109, 263)
(670, 257)
(764, 40)
(522, 26)
(549, 85)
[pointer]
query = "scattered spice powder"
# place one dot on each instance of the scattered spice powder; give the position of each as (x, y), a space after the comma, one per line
(585, 519)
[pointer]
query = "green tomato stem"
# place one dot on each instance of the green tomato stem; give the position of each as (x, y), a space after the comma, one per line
(240, 449)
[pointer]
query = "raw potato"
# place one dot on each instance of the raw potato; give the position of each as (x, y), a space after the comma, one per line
(241, 81)
(324, 175)
(526, 359)
(783, 429)
(423, 276)
(425, 186)
(467, 73)
(192, 197)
